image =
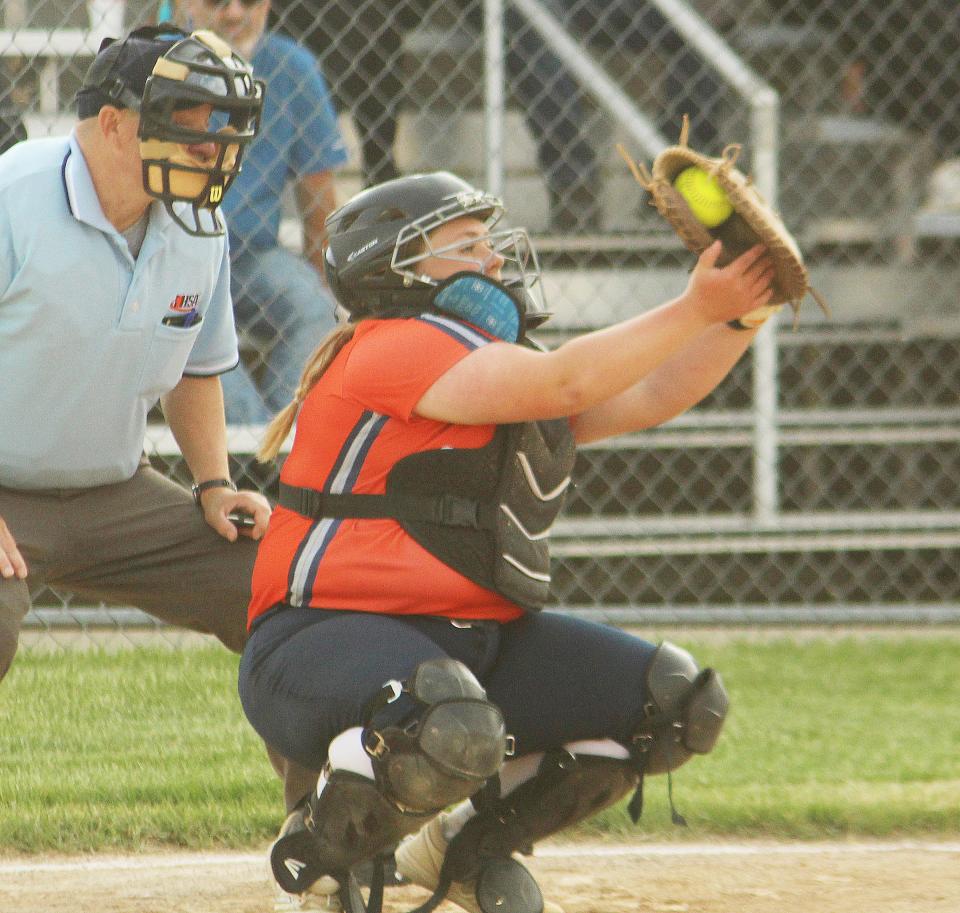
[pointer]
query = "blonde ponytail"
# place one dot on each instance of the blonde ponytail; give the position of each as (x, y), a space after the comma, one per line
(319, 361)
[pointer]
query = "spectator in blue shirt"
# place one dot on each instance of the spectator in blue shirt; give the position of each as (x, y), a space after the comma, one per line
(280, 299)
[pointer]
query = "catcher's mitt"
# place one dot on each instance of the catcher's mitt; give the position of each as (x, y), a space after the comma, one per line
(752, 222)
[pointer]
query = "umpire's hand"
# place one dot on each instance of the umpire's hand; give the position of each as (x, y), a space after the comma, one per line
(218, 503)
(11, 561)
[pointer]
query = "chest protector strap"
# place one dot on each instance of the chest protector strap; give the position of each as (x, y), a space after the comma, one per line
(486, 512)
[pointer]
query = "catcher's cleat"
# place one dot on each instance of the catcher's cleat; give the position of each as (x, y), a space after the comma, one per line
(420, 857)
(312, 901)
(322, 895)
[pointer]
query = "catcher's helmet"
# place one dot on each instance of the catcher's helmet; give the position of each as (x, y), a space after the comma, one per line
(157, 70)
(376, 240)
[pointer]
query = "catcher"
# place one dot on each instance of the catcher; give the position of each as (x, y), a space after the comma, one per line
(396, 638)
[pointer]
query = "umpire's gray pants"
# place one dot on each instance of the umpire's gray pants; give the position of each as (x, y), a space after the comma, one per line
(138, 543)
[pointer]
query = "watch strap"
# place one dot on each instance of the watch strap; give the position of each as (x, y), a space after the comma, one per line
(200, 487)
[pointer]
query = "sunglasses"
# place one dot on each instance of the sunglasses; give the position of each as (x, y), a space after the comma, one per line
(220, 4)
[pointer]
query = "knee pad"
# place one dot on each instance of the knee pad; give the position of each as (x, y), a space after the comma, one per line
(444, 751)
(683, 715)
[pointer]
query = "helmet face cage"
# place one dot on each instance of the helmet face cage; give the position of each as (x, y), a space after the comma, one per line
(199, 70)
(520, 271)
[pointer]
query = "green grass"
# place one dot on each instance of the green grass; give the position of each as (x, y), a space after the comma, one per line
(827, 736)
(114, 750)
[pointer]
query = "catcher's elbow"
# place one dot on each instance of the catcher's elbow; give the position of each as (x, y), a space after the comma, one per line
(572, 397)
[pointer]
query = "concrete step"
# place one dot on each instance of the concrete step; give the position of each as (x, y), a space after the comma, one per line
(839, 170)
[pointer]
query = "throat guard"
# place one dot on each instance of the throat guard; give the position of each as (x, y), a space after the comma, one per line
(486, 512)
(484, 302)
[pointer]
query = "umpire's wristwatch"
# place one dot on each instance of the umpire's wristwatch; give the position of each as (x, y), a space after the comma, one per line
(200, 487)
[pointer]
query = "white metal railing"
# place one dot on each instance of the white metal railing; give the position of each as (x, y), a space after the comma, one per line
(51, 47)
(495, 94)
(592, 77)
(713, 534)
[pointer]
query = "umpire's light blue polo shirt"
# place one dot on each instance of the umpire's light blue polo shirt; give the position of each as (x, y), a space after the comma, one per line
(89, 337)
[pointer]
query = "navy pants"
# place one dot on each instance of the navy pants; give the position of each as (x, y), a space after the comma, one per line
(306, 674)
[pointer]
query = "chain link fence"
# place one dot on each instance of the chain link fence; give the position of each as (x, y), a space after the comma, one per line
(860, 517)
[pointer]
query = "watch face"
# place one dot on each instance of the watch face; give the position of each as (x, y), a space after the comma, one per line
(199, 488)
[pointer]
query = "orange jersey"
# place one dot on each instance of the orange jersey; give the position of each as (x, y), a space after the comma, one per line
(355, 424)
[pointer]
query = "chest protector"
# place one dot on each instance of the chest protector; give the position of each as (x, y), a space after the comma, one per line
(485, 512)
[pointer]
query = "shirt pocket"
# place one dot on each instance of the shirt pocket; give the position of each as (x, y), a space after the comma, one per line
(166, 358)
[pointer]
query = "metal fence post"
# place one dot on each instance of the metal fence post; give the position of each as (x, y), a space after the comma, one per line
(764, 114)
(494, 95)
(766, 502)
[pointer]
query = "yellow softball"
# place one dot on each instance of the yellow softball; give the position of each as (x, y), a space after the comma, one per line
(704, 196)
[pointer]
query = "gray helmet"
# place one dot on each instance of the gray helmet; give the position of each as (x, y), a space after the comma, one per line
(376, 240)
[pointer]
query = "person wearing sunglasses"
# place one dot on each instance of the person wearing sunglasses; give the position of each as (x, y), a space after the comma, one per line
(281, 303)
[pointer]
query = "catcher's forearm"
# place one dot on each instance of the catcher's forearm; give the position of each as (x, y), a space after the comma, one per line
(678, 384)
(633, 347)
(695, 371)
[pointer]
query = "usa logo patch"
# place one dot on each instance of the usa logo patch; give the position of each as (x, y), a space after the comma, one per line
(183, 303)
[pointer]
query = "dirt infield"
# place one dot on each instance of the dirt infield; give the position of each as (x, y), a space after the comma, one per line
(721, 877)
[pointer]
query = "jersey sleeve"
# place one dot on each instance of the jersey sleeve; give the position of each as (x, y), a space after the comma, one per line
(7, 255)
(216, 349)
(397, 361)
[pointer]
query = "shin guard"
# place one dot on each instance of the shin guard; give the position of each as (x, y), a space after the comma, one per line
(349, 822)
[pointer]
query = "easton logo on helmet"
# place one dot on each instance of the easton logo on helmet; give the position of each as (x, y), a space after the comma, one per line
(361, 250)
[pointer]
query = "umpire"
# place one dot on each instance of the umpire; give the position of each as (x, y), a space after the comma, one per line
(114, 293)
